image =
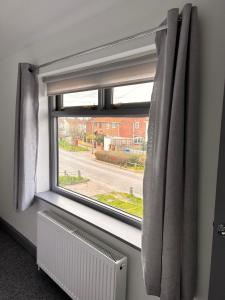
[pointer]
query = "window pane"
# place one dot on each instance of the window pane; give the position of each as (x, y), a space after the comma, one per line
(133, 93)
(103, 158)
(87, 98)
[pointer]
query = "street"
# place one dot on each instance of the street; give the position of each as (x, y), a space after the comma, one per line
(103, 177)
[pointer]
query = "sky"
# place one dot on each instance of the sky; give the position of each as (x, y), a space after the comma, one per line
(122, 94)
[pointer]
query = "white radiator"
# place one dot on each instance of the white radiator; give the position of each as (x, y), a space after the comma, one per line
(84, 267)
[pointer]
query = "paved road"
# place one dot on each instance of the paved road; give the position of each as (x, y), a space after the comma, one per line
(112, 177)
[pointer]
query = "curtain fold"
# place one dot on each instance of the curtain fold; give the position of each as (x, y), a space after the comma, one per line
(26, 136)
(169, 247)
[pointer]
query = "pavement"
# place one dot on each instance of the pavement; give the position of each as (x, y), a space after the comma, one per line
(103, 177)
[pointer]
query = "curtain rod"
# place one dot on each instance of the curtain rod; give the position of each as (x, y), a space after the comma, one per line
(107, 45)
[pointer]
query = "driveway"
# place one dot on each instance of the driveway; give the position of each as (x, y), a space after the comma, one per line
(103, 177)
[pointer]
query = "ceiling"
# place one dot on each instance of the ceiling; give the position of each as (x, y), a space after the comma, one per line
(24, 21)
(86, 23)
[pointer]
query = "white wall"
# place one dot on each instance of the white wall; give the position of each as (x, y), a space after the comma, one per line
(120, 19)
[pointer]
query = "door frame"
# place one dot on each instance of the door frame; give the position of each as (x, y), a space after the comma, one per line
(217, 272)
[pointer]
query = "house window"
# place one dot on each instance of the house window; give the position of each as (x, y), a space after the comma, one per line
(136, 125)
(99, 167)
(138, 140)
(114, 125)
(132, 93)
(87, 98)
(95, 156)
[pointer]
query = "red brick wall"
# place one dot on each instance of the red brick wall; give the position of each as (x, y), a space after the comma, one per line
(125, 126)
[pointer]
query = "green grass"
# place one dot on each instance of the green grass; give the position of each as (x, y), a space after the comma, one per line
(135, 168)
(63, 144)
(126, 202)
(69, 180)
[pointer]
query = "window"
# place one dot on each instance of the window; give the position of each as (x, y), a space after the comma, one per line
(138, 140)
(132, 93)
(93, 162)
(136, 125)
(98, 138)
(86, 98)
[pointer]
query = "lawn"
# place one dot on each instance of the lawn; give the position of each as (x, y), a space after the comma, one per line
(135, 168)
(126, 202)
(69, 180)
(63, 144)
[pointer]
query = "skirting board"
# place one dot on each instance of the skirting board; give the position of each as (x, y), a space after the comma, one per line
(21, 239)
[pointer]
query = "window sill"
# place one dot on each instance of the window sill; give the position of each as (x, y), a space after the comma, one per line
(118, 229)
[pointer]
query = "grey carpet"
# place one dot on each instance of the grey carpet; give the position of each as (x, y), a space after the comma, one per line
(19, 277)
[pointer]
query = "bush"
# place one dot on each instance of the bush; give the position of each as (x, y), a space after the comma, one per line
(89, 138)
(133, 158)
(141, 160)
(121, 158)
(99, 138)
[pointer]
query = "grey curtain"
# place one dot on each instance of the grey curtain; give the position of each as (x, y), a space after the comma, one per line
(26, 136)
(170, 179)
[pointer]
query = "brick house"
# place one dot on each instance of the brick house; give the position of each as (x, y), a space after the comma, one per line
(127, 128)
(120, 131)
